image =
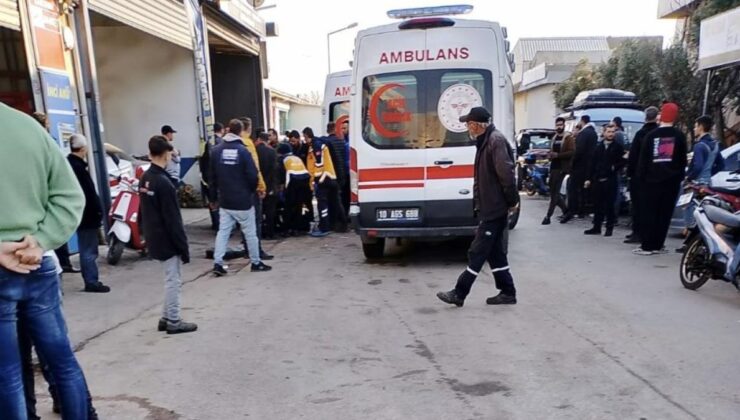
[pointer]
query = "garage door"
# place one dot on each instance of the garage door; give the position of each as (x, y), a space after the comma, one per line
(9, 17)
(164, 19)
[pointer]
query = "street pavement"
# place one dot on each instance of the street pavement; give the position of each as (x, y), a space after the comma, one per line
(598, 334)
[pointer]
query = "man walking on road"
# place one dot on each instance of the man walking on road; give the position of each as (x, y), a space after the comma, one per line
(234, 179)
(45, 209)
(608, 161)
(562, 147)
(87, 232)
(165, 234)
(495, 194)
(585, 147)
(660, 169)
(636, 188)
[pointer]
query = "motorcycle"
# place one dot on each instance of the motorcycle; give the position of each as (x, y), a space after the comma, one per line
(710, 247)
(535, 176)
(125, 231)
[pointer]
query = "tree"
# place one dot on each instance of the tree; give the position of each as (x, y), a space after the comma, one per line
(680, 84)
(581, 79)
(638, 70)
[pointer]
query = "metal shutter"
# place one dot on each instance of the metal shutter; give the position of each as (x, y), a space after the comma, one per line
(9, 17)
(165, 19)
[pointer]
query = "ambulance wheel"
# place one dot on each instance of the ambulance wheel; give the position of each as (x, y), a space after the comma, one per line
(373, 249)
(115, 251)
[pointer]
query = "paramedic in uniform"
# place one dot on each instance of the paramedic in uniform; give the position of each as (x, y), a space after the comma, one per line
(495, 194)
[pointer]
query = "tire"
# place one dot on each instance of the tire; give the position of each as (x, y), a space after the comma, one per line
(695, 268)
(531, 190)
(374, 250)
(115, 250)
(514, 217)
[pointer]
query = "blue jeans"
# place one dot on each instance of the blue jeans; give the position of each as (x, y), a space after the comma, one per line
(226, 224)
(88, 240)
(35, 298)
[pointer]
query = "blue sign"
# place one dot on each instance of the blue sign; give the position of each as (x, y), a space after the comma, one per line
(60, 106)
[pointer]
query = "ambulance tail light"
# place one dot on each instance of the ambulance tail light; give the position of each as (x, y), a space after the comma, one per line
(457, 9)
(426, 23)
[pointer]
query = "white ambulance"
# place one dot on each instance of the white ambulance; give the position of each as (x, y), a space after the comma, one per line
(336, 97)
(411, 158)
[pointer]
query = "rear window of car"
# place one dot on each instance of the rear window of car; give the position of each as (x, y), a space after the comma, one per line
(421, 109)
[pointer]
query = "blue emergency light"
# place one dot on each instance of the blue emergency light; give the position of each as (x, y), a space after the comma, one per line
(457, 9)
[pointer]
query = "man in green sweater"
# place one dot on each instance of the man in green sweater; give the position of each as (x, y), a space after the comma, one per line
(42, 206)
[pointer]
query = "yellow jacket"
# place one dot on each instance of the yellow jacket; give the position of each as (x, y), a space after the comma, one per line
(261, 187)
(320, 165)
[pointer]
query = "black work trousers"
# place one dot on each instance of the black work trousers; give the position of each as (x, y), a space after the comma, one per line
(604, 198)
(556, 200)
(489, 245)
(576, 194)
(636, 199)
(330, 203)
(658, 205)
(269, 209)
(297, 199)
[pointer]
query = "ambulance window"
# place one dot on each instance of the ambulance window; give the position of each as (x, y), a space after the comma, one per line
(392, 118)
(456, 91)
(337, 110)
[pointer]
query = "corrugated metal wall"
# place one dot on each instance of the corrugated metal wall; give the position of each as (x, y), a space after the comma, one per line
(164, 19)
(9, 17)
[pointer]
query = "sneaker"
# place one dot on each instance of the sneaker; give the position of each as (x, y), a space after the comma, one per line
(663, 251)
(682, 249)
(97, 288)
(592, 231)
(567, 218)
(451, 297)
(642, 252)
(260, 267)
(162, 325)
(265, 256)
(219, 270)
(180, 327)
(69, 269)
(501, 299)
(319, 234)
(546, 221)
(609, 232)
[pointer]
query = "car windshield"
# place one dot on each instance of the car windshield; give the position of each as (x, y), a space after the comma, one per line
(539, 141)
(422, 109)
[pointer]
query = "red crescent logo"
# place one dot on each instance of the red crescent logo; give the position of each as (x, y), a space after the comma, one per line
(338, 129)
(375, 120)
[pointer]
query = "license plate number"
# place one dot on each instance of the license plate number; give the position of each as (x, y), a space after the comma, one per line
(685, 199)
(390, 215)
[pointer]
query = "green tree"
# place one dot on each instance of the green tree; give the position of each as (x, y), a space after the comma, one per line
(638, 70)
(680, 84)
(581, 79)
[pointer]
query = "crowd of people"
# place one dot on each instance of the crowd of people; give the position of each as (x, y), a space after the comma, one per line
(655, 166)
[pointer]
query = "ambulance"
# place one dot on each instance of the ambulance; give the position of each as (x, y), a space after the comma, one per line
(411, 159)
(336, 97)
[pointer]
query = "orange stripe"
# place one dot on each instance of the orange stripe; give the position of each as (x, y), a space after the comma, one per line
(453, 172)
(384, 186)
(392, 174)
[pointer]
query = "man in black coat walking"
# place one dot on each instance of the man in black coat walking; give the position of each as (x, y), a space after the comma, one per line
(607, 162)
(87, 232)
(585, 147)
(636, 188)
(166, 240)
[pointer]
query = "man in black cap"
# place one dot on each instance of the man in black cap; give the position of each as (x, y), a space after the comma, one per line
(495, 194)
(173, 167)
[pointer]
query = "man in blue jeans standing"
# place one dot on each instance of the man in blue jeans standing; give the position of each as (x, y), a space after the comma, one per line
(87, 232)
(234, 177)
(45, 210)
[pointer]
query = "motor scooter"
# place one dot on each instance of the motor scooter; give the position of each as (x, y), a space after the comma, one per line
(125, 224)
(535, 176)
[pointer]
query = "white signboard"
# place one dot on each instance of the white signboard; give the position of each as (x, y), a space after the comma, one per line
(720, 40)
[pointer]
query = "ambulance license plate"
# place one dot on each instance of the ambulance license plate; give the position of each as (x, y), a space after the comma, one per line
(396, 215)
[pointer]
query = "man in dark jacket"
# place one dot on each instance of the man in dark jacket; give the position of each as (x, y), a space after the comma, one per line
(337, 152)
(661, 170)
(494, 195)
(585, 147)
(234, 178)
(636, 188)
(165, 233)
(300, 149)
(87, 232)
(562, 148)
(268, 166)
(205, 168)
(607, 162)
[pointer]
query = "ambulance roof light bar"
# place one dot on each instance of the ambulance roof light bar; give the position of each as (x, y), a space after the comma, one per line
(457, 9)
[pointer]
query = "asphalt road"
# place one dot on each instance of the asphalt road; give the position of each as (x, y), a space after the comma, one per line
(598, 334)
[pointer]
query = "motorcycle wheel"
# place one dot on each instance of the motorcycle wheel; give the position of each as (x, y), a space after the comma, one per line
(695, 265)
(115, 251)
(531, 190)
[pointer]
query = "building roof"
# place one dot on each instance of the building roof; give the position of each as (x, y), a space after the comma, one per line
(545, 74)
(526, 48)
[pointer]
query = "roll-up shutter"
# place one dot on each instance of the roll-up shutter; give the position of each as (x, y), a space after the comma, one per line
(9, 17)
(238, 38)
(165, 19)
